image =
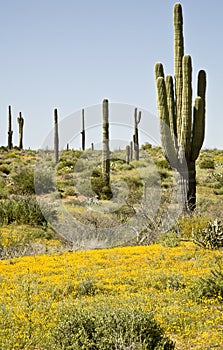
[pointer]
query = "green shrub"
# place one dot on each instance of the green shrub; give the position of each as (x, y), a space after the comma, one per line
(169, 239)
(206, 164)
(23, 181)
(44, 182)
(163, 164)
(210, 286)
(104, 328)
(99, 185)
(146, 146)
(4, 190)
(4, 168)
(23, 210)
(189, 225)
(86, 287)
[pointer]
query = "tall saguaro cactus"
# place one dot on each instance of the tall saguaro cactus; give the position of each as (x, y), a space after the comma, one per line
(83, 131)
(137, 119)
(10, 132)
(56, 136)
(182, 126)
(105, 144)
(20, 120)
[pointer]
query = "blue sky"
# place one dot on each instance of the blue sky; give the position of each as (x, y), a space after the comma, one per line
(71, 54)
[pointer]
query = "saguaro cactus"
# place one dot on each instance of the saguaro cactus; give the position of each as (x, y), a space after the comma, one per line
(181, 126)
(131, 151)
(137, 119)
(56, 137)
(105, 145)
(83, 131)
(20, 120)
(127, 154)
(10, 132)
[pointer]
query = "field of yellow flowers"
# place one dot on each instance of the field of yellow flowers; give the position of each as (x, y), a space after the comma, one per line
(156, 278)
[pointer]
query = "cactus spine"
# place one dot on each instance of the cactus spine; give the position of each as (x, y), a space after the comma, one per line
(181, 126)
(20, 120)
(105, 144)
(10, 132)
(56, 137)
(83, 131)
(137, 120)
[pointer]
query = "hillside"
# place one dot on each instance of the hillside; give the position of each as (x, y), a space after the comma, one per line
(167, 275)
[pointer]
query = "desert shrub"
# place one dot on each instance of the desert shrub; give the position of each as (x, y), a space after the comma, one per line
(206, 163)
(169, 239)
(28, 181)
(44, 182)
(124, 212)
(210, 286)
(17, 241)
(189, 225)
(218, 192)
(23, 181)
(66, 163)
(163, 164)
(146, 146)
(24, 210)
(211, 236)
(99, 186)
(217, 179)
(4, 168)
(105, 328)
(86, 287)
(4, 190)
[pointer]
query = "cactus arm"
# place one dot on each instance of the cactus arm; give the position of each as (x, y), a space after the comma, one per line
(185, 139)
(165, 132)
(198, 128)
(171, 109)
(159, 71)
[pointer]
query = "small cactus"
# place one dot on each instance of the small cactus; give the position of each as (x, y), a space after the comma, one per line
(137, 119)
(20, 120)
(10, 132)
(127, 154)
(56, 136)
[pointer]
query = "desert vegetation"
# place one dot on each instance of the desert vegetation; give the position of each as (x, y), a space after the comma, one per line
(116, 248)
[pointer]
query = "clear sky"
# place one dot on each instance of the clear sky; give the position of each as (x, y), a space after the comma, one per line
(71, 54)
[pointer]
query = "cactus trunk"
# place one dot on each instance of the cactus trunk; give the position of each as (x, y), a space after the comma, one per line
(21, 124)
(105, 145)
(56, 137)
(10, 132)
(131, 151)
(83, 131)
(136, 134)
(127, 154)
(181, 126)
